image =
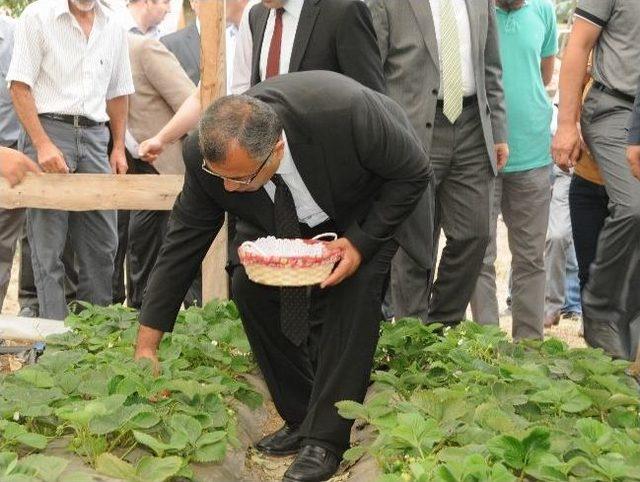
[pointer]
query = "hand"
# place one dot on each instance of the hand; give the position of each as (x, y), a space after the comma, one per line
(502, 155)
(633, 158)
(118, 161)
(565, 148)
(348, 264)
(150, 149)
(14, 166)
(51, 159)
(151, 355)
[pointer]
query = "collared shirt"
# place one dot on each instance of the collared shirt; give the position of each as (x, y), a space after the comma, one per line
(231, 35)
(68, 73)
(464, 34)
(307, 209)
(9, 127)
(616, 54)
(129, 23)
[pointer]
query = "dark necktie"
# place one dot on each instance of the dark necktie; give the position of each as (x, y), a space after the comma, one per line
(294, 303)
(273, 60)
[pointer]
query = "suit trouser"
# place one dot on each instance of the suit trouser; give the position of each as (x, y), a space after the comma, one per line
(608, 302)
(92, 233)
(11, 225)
(523, 198)
(305, 382)
(464, 196)
(561, 266)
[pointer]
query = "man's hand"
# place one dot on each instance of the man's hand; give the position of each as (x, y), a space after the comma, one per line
(118, 161)
(566, 145)
(51, 159)
(348, 264)
(147, 346)
(633, 158)
(502, 155)
(150, 149)
(14, 166)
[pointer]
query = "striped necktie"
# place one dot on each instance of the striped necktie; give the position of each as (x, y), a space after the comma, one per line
(450, 62)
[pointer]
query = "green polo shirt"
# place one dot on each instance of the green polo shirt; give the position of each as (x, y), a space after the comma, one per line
(527, 36)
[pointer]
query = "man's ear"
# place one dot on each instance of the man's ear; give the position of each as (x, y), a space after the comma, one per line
(279, 148)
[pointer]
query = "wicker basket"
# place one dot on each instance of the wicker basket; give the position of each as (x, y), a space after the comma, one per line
(287, 270)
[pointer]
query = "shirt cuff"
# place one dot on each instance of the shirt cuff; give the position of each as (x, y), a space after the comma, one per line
(19, 77)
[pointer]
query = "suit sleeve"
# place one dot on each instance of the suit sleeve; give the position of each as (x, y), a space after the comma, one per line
(388, 147)
(380, 19)
(195, 221)
(493, 78)
(357, 47)
(165, 74)
(634, 130)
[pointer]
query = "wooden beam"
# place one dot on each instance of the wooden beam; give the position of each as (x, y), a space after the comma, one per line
(213, 84)
(83, 192)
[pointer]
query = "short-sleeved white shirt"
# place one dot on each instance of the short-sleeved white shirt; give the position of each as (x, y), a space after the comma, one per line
(68, 73)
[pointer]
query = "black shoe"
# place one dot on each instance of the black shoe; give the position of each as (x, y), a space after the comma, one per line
(313, 464)
(285, 441)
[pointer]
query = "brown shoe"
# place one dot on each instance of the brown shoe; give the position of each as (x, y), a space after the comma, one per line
(551, 320)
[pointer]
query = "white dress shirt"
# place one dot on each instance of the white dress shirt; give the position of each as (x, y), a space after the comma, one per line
(130, 25)
(68, 73)
(464, 34)
(307, 209)
(241, 78)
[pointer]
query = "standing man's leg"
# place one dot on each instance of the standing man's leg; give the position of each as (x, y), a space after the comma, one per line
(525, 208)
(465, 198)
(484, 301)
(11, 225)
(94, 233)
(605, 300)
(557, 247)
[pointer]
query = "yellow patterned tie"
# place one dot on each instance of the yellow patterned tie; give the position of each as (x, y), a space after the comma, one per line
(450, 61)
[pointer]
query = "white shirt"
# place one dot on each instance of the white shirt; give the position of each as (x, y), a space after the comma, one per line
(464, 34)
(68, 73)
(129, 23)
(241, 79)
(307, 209)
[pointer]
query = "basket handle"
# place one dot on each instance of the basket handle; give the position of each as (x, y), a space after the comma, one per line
(325, 235)
(254, 246)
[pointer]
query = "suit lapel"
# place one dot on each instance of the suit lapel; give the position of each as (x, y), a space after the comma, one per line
(310, 162)
(258, 37)
(424, 16)
(308, 15)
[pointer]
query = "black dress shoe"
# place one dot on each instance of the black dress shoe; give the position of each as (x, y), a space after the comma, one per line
(285, 441)
(313, 464)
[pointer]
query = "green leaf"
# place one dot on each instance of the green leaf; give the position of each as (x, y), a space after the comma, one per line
(46, 468)
(36, 377)
(215, 452)
(154, 469)
(186, 425)
(154, 444)
(112, 466)
(77, 477)
(211, 437)
(508, 449)
(352, 410)
(354, 453)
(34, 440)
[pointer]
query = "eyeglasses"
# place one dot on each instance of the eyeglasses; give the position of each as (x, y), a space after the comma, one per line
(244, 181)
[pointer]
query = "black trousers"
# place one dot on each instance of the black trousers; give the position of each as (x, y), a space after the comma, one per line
(589, 207)
(305, 382)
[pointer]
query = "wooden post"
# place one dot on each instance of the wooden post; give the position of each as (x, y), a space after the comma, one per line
(213, 84)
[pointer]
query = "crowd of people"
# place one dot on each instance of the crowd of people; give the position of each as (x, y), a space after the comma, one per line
(384, 121)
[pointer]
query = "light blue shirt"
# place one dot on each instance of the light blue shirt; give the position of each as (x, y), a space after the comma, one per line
(307, 209)
(9, 127)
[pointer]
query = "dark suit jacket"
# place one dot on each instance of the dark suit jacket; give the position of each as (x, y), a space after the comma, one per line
(336, 35)
(185, 45)
(356, 152)
(634, 130)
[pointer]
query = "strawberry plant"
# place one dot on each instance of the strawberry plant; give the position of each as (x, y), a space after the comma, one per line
(468, 405)
(88, 391)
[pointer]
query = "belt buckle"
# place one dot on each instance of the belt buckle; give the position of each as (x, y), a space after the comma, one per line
(76, 121)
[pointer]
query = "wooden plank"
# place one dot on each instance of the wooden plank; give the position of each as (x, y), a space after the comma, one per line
(213, 84)
(84, 192)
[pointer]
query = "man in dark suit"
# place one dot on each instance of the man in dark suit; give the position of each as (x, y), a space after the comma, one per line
(185, 45)
(334, 156)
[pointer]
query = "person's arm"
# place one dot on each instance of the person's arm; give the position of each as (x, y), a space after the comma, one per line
(547, 66)
(357, 48)
(49, 156)
(566, 142)
(195, 221)
(380, 18)
(241, 72)
(118, 110)
(633, 151)
(495, 90)
(14, 166)
(180, 124)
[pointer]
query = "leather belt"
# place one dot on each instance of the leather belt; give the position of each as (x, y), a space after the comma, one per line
(74, 120)
(614, 92)
(466, 101)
